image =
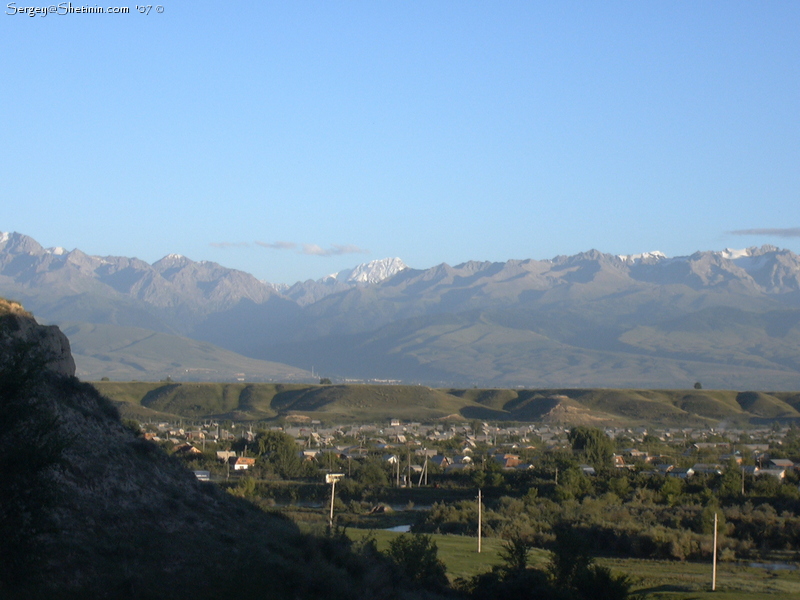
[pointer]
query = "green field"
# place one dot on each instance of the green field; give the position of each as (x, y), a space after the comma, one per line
(652, 579)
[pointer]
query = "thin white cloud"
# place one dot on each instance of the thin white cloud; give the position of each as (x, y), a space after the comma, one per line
(307, 249)
(787, 232)
(229, 244)
(278, 245)
(334, 250)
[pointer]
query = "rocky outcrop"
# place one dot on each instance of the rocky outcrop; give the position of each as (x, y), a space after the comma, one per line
(18, 327)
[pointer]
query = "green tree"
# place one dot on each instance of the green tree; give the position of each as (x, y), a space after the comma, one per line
(730, 482)
(671, 490)
(371, 472)
(572, 568)
(595, 445)
(571, 555)
(417, 556)
(280, 451)
(514, 553)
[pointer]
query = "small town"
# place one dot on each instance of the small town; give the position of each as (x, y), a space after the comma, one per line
(451, 449)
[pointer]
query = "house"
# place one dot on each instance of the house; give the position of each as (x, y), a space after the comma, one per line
(507, 461)
(440, 461)
(635, 454)
(187, 450)
(727, 458)
(242, 463)
(429, 452)
(457, 468)
(682, 473)
(781, 463)
(203, 475)
(708, 469)
(778, 473)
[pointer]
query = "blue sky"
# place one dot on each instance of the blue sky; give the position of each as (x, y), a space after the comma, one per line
(292, 140)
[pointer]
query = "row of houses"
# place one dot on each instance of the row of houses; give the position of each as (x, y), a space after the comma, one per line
(506, 445)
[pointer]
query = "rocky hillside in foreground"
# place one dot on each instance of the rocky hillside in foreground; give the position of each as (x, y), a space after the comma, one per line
(91, 510)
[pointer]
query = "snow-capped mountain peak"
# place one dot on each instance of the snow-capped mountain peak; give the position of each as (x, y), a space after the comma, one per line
(655, 254)
(374, 271)
(172, 261)
(733, 254)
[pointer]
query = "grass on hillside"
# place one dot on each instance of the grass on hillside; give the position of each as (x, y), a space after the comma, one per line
(377, 403)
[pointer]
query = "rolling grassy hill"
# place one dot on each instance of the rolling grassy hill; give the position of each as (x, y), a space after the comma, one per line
(376, 403)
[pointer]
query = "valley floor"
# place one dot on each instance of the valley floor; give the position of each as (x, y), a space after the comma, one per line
(652, 579)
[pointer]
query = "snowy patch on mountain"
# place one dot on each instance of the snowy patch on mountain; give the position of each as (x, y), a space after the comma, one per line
(656, 254)
(732, 254)
(372, 272)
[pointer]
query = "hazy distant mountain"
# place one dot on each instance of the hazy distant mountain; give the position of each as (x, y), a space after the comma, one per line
(170, 295)
(729, 318)
(125, 314)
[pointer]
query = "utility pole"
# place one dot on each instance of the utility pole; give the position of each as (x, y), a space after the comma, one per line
(714, 567)
(424, 473)
(479, 520)
(332, 478)
(410, 484)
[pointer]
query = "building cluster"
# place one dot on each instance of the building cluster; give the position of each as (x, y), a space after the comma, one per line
(452, 447)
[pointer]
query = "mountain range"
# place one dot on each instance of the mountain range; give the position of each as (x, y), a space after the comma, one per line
(729, 319)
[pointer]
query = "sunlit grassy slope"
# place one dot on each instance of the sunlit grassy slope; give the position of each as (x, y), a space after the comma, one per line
(375, 403)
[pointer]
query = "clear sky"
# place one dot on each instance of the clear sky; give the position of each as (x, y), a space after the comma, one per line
(295, 139)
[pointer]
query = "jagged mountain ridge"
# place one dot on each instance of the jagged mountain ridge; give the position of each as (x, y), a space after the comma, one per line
(178, 289)
(587, 319)
(175, 289)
